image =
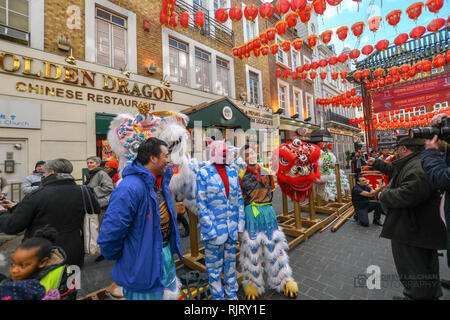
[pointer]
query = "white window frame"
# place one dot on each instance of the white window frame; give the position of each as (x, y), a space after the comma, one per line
(187, 60)
(298, 108)
(280, 40)
(211, 89)
(310, 111)
(229, 76)
(295, 62)
(287, 110)
(91, 32)
(245, 21)
(247, 77)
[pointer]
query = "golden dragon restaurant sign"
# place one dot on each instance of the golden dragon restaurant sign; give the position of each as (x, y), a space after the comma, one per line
(69, 75)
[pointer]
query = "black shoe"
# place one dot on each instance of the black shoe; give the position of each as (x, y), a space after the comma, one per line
(378, 223)
(355, 217)
(363, 224)
(445, 284)
(100, 258)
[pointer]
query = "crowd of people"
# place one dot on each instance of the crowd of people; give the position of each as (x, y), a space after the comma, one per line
(138, 222)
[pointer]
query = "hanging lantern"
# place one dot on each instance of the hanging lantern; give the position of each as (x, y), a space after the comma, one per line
(235, 13)
(397, 78)
(274, 48)
(334, 2)
(221, 15)
(306, 67)
(286, 73)
(414, 10)
(401, 39)
(393, 71)
(326, 36)
(382, 45)
(342, 33)
(256, 43)
(358, 28)
(199, 19)
(342, 57)
(412, 71)
(439, 61)
(354, 54)
(434, 5)
(278, 73)
(374, 84)
(314, 65)
(271, 33)
(323, 75)
(282, 6)
(299, 69)
(344, 74)
(298, 5)
(184, 20)
(281, 27)
(323, 63)
(366, 73)
(303, 75)
(291, 19)
(256, 52)
(297, 43)
(374, 23)
(393, 17)
(333, 60)
(173, 22)
(378, 72)
(426, 66)
(357, 75)
(305, 14)
(236, 52)
(265, 50)
(294, 75)
(286, 45)
(436, 24)
(312, 40)
(404, 68)
(417, 32)
(163, 19)
(251, 12)
(334, 75)
(264, 38)
(389, 80)
(266, 10)
(405, 76)
(312, 75)
(319, 6)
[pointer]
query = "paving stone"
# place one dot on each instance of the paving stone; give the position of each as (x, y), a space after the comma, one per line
(319, 295)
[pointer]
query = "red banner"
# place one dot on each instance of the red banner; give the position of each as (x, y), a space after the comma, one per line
(411, 95)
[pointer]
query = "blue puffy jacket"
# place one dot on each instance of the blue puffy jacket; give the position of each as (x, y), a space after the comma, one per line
(131, 230)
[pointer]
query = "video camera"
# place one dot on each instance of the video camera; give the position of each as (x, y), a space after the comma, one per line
(443, 131)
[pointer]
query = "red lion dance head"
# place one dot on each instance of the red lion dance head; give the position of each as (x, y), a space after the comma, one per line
(296, 166)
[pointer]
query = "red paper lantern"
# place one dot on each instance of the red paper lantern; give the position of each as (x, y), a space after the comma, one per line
(199, 19)
(221, 15)
(306, 67)
(412, 71)
(436, 24)
(265, 50)
(396, 78)
(291, 19)
(434, 5)
(334, 75)
(297, 43)
(286, 73)
(344, 74)
(358, 28)
(235, 13)
(323, 63)
(439, 61)
(378, 72)
(374, 84)
(319, 6)
(357, 75)
(266, 10)
(173, 22)
(426, 66)
(294, 75)
(163, 19)
(393, 71)
(342, 57)
(271, 33)
(342, 33)
(314, 65)
(382, 45)
(366, 73)
(417, 32)
(414, 10)
(305, 14)
(366, 50)
(282, 6)
(354, 54)
(334, 2)
(333, 60)
(184, 20)
(298, 5)
(251, 12)
(278, 73)
(286, 45)
(326, 36)
(274, 48)
(303, 75)
(299, 69)
(312, 75)
(281, 27)
(374, 23)
(393, 17)
(312, 40)
(401, 39)
(256, 43)
(263, 38)
(323, 75)
(389, 80)
(256, 52)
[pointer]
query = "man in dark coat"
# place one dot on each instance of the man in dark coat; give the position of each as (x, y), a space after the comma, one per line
(412, 221)
(357, 163)
(57, 203)
(437, 169)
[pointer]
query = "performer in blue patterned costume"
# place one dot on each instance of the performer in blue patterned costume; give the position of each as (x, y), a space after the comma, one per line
(262, 239)
(221, 214)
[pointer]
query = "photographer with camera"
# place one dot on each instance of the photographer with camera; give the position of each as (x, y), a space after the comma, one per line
(412, 221)
(437, 169)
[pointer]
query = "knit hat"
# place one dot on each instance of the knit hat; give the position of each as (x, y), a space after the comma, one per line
(113, 164)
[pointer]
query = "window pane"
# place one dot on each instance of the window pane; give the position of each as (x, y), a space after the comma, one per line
(103, 14)
(118, 20)
(3, 3)
(103, 43)
(172, 43)
(182, 60)
(20, 6)
(206, 80)
(173, 61)
(3, 16)
(18, 21)
(198, 72)
(119, 37)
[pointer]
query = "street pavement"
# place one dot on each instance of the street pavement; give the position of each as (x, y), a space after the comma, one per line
(328, 266)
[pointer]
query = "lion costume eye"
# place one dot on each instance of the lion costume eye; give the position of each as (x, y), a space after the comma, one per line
(284, 162)
(297, 142)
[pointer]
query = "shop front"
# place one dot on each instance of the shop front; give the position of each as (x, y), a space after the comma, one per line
(293, 129)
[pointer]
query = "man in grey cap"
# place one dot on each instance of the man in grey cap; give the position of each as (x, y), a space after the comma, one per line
(412, 221)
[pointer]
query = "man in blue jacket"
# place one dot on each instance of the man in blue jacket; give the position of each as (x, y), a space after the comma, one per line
(437, 169)
(140, 227)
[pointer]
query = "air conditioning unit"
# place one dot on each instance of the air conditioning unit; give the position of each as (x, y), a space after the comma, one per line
(14, 33)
